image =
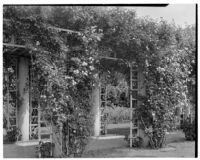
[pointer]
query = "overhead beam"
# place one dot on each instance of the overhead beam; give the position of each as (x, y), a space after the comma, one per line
(63, 30)
(14, 45)
(23, 46)
(54, 28)
(111, 58)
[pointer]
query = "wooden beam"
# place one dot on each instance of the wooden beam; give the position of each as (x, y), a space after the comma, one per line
(111, 58)
(63, 30)
(52, 27)
(14, 45)
(131, 110)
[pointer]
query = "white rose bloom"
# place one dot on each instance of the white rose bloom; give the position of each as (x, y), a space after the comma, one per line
(76, 71)
(91, 68)
(74, 83)
(95, 75)
(84, 64)
(85, 73)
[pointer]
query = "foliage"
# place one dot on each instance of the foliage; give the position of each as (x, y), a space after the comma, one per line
(165, 55)
(118, 114)
(45, 149)
(117, 92)
(13, 134)
(136, 142)
(66, 73)
(189, 129)
(166, 74)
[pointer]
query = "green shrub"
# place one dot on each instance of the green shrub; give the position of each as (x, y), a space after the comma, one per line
(13, 134)
(45, 149)
(136, 142)
(189, 129)
(118, 114)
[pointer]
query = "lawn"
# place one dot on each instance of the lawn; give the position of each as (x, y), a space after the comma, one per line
(176, 146)
(176, 149)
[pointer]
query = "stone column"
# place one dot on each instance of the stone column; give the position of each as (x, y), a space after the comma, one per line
(96, 110)
(23, 108)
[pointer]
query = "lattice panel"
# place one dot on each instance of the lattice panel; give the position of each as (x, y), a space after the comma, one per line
(134, 94)
(10, 96)
(12, 108)
(104, 116)
(35, 112)
(134, 84)
(133, 102)
(12, 121)
(34, 120)
(34, 105)
(38, 117)
(34, 132)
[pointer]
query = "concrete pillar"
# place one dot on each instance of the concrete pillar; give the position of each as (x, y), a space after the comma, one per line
(96, 110)
(23, 110)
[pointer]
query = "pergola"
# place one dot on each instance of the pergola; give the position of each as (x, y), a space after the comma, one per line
(23, 118)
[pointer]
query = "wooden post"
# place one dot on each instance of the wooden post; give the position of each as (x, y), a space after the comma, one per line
(23, 112)
(7, 118)
(39, 129)
(131, 108)
(106, 123)
(61, 143)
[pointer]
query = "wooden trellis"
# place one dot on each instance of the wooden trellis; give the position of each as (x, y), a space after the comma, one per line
(133, 102)
(11, 92)
(103, 106)
(34, 106)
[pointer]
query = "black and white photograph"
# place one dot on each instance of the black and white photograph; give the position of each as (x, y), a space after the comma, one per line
(99, 80)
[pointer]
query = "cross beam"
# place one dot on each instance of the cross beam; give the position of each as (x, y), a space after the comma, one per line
(52, 27)
(14, 45)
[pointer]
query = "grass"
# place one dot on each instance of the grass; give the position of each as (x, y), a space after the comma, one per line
(176, 146)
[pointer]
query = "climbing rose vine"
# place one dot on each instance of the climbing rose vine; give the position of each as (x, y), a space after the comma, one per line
(65, 65)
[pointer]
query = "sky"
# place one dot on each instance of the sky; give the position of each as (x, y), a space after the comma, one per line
(181, 13)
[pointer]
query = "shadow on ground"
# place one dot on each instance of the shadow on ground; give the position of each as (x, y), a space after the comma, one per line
(176, 147)
(15, 151)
